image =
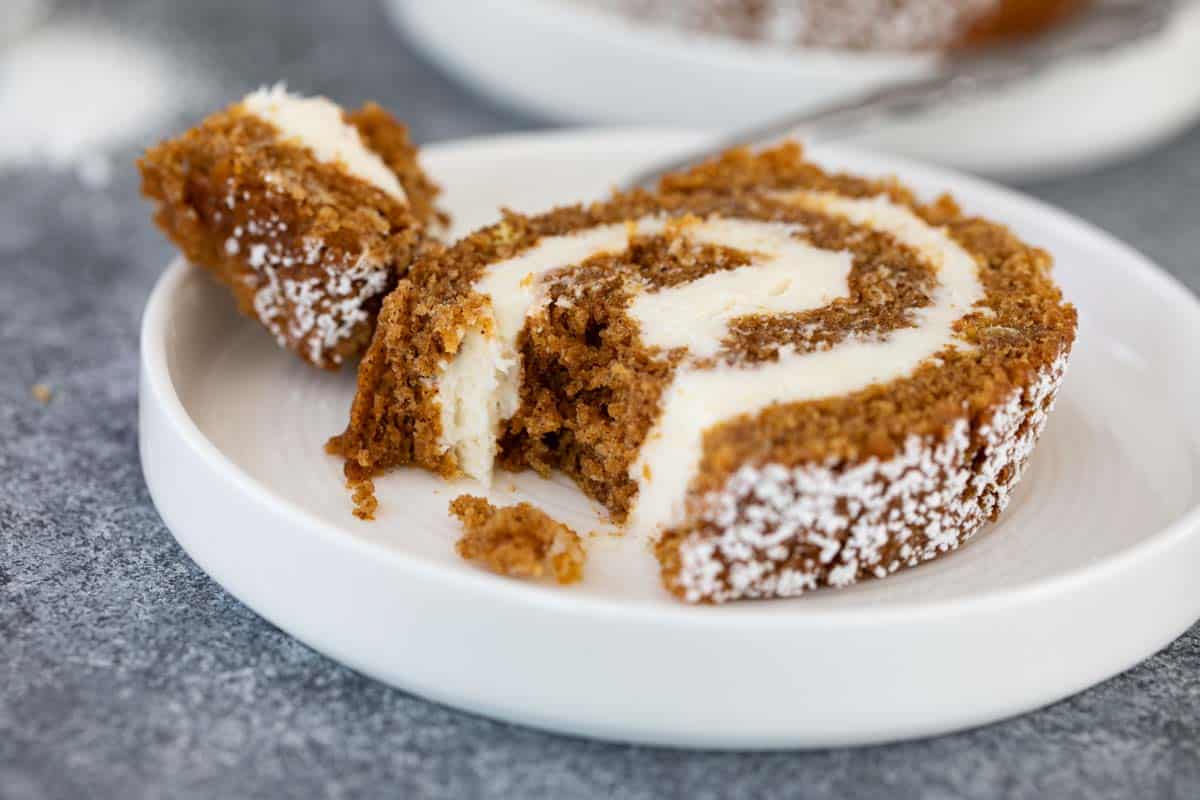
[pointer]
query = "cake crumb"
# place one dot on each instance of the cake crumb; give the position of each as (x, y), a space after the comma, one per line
(517, 540)
(363, 496)
(610, 533)
(41, 392)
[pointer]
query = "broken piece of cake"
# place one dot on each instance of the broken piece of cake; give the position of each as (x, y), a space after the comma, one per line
(519, 540)
(789, 379)
(309, 214)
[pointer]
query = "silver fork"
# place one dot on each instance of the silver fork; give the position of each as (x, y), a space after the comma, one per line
(1105, 26)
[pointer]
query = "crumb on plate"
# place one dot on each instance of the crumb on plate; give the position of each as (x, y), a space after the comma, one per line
(517, 540)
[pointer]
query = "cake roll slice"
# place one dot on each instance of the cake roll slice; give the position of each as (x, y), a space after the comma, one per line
(307, 213)
(788, 379)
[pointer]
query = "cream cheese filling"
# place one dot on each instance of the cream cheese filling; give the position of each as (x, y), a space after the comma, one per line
(479, 388)
(698, 399)
(317, 123)
(785, 275)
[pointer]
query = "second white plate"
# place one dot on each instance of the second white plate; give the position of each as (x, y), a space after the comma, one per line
(1090, 570)
(558, 59)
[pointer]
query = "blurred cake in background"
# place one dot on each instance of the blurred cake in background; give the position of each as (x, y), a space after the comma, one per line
(731, 64)
(853, 24)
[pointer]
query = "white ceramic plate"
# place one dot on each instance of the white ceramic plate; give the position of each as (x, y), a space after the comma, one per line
(1091, 570)
(581, 66)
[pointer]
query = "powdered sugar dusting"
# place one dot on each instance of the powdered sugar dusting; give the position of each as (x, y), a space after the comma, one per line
(775, 531)
(308, 313)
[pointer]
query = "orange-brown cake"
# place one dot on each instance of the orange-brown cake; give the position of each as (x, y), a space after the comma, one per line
(789, 379)
(854, 24)
(519, 540)
(308, 214)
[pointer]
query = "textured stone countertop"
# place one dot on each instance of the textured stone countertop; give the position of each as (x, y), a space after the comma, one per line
(126, 673)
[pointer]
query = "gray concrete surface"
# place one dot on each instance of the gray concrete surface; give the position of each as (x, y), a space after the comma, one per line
(126, 673)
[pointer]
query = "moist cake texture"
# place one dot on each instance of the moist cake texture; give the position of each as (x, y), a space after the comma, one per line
(519, 540)
(307, 213)
(788, 378)
(853, 24)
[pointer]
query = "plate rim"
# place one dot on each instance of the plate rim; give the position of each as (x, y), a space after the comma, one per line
(157, 379)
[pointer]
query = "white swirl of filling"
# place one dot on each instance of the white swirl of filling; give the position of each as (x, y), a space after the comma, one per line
(479, 388)
(785, 275)
(317, 123)
(698, 399)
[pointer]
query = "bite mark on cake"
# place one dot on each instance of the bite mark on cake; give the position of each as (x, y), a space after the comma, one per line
(880, 472)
